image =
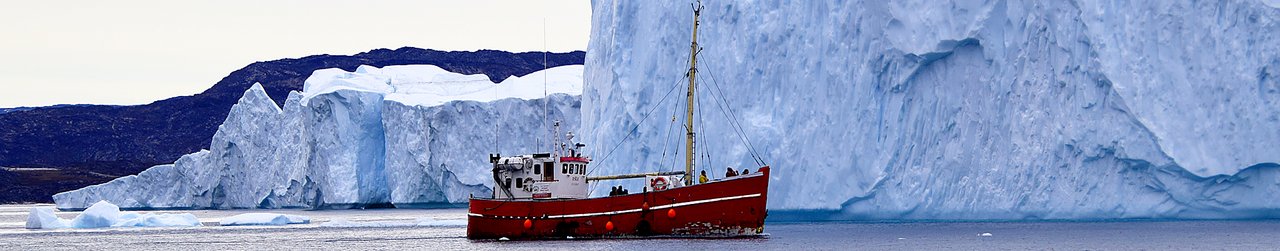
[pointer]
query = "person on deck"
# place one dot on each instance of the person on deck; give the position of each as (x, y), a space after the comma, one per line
(728, 172)
(702, 179)
(746, 171)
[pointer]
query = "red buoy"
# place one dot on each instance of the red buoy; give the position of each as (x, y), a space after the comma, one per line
(645, 206)
(671, 213)
(528, 223)
(608, 226)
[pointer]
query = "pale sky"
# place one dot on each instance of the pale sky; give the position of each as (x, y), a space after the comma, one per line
(137, 52)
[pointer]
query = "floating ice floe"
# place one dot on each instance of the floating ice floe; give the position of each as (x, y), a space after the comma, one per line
(104, 214)
(264, 219)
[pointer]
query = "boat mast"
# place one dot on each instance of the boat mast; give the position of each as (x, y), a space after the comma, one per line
(693, 71)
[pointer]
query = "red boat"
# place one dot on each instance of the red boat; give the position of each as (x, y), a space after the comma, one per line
(546, 195)
(731, 207)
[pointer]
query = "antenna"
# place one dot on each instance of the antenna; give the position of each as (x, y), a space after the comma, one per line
(544, 82)
(497, 119)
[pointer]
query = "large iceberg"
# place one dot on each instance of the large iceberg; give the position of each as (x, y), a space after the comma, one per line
(411, 135)
(958, 109)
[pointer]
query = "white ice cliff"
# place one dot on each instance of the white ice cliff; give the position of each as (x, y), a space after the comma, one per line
(958, 109)
(413, 135)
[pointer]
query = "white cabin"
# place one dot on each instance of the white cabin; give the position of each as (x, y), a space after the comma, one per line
(540, 176)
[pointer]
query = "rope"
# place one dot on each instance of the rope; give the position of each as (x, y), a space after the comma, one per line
(734, 122)
(633, 129)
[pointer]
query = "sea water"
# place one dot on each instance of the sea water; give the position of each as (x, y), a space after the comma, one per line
(396, 229)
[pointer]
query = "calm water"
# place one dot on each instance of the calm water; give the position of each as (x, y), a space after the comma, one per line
(1134, 235)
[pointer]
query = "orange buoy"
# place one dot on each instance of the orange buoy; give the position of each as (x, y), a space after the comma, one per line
(645, 206)
(671, 213)
(608, 226)
(528, 223)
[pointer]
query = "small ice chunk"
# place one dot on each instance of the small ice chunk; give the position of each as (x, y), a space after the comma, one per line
(99, 215)
(346, 223)
(157, 220)
(298, 219)
(504, 239)
(985, 235)
(264, 219)
(44, 218)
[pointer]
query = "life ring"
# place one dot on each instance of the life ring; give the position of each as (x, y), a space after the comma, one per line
(659, 183)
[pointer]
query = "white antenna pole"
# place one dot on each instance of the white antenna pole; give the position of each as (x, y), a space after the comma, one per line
(497, 119)
(544, 80)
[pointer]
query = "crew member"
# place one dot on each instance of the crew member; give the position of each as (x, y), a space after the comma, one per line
(703, 177)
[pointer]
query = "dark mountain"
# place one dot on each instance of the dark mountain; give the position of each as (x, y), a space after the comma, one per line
(89, 144)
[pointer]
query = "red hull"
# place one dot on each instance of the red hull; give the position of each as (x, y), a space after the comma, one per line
(725, 208)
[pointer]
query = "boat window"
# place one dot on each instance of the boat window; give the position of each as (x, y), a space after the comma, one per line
(519, 183)
(564, 169)
(508, 183)
(582, 169)
(536, 169)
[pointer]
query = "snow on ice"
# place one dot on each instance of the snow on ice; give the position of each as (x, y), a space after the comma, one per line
(412, 135)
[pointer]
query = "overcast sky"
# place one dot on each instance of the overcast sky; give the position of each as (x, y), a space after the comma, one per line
(136, 52)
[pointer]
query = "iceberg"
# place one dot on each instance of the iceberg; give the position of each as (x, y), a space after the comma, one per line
(264, 219)
(958, 109)
(104, 215)
(101, 214)
(409, 136)
(256, 159)
(157, 220)
(44, 218)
